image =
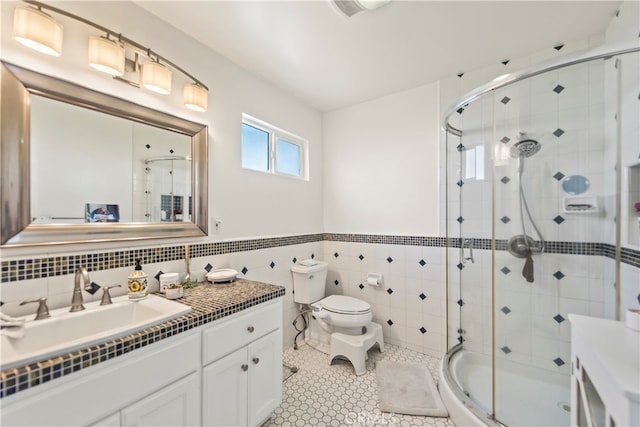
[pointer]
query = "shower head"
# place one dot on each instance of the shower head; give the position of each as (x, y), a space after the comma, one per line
(525, 148)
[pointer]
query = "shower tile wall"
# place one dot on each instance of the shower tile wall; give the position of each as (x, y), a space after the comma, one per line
(564, 112)
(470, 304)
(531, 318)
(570, 131)
(532, 325)
(469, 309)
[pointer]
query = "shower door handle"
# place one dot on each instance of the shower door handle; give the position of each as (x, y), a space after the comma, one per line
(468, 243)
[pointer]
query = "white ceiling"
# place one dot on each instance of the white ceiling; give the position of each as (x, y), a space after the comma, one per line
(308, 49)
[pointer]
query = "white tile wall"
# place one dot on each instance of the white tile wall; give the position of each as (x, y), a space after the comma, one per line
(396, 304)
(58, 289)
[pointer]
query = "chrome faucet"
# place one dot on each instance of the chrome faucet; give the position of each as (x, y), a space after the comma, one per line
(106, 297)
(43, 310)
(76, 301)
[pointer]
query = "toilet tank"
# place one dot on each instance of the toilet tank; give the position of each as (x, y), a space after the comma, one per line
(309, 282)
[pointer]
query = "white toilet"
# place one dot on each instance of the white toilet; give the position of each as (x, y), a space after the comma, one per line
(338, 325)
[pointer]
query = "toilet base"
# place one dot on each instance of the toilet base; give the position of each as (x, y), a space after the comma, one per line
(323, 347)
(318, 334)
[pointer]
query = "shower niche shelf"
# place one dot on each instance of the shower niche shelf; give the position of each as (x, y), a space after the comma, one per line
(580, 205)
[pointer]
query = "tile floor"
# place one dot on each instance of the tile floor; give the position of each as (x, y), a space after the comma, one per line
(333, 396)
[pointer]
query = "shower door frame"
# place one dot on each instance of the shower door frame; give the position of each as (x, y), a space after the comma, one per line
(458, 243)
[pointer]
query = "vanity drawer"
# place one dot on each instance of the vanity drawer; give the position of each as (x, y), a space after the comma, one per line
(227, 335)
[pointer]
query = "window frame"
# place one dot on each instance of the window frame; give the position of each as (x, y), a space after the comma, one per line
(276, 134)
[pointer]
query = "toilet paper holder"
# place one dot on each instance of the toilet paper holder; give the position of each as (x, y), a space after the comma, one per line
(374, 279)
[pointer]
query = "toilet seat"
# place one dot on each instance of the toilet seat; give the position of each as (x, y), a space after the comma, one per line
(342, 311)
(342, 304)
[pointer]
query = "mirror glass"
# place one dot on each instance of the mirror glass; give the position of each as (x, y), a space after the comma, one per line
(119, 170)
(82, 166)
(575, 184)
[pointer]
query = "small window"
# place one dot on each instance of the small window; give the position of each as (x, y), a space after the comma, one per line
(288, 156)
(255, 148)
(268, 149)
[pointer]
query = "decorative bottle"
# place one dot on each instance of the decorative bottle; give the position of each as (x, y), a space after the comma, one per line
(137, 283)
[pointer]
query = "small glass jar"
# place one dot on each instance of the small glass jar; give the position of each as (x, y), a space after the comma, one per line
(174, 291)
(168, 279)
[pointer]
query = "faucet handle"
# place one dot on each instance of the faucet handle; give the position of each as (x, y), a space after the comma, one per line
(43, 310)
(106, 297)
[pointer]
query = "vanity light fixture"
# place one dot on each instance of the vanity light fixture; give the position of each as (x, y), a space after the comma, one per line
(37, 30)
(156, 77)
(106, 55)
(110, 53)
(195, 97)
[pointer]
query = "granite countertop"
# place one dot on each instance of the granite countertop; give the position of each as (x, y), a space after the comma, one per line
(209, 302)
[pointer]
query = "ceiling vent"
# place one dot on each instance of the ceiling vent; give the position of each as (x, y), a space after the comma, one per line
(351, 7)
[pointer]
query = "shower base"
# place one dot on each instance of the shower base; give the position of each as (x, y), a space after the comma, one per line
(525, 395)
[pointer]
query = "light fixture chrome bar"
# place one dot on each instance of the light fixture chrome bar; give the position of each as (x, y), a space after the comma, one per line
(127, 81)
(122, 39)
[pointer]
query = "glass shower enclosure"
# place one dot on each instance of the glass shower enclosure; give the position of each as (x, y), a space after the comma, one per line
(542, 176)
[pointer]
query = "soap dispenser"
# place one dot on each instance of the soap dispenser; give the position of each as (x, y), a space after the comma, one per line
(137, 283)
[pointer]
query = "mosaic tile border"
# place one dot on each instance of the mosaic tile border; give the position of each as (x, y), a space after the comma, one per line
(28, 269)
(384, 239)
(208, 304)
(627, 256)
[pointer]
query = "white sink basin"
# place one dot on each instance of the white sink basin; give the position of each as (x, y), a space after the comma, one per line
(64, 331)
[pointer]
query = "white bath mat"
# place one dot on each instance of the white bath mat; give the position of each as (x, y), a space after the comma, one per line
(407, 388)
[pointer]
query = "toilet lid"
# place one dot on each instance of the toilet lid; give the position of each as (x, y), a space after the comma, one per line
(345, 305)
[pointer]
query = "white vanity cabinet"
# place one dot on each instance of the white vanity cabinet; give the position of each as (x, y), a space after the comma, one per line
(117, 391)
(227, 372)
(605, 377)
(242, 376)
(112, 420)
(174, 405)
